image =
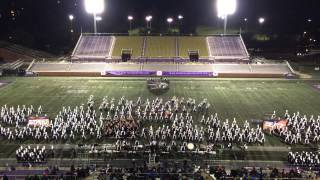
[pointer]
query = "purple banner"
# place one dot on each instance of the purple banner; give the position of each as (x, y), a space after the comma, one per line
(189, 74)
(163, 73)
(131, 73)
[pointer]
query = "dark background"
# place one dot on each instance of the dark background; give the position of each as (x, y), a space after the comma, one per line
(44, 24)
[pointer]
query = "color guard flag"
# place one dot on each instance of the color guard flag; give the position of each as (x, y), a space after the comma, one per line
(274, 124)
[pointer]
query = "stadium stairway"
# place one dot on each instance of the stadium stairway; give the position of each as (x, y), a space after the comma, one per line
(144, 45)
(177, 46)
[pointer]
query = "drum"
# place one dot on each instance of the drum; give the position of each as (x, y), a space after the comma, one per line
(190, 146)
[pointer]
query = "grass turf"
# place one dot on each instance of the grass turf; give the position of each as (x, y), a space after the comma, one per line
(245, 99)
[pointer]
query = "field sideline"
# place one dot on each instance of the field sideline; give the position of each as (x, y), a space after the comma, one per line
(245, 99)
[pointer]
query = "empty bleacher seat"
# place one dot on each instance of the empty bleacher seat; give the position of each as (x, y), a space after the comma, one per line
(94, 47)
(126, 42)
(226, 46)
(160, 47)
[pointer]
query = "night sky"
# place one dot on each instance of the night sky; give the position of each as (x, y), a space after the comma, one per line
(46, 21)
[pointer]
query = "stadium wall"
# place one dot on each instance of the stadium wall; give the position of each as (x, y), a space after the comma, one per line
(251, 75)
(72, 74)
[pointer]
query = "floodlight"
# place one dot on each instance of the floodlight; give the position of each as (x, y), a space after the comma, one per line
(130, 18)
(169, 20)
(245, 19)
(148, 18)
(98, 18)
(94, 6)
(180, 17)
(261, 20)
(226, 7)
(71, 17)
(309, 20)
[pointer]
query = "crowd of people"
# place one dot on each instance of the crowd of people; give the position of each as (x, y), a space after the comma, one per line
(170, 171)
(31, 155)
(304, 159)
(300, 129)
(152, 125)
(211, 172)
(169, 124)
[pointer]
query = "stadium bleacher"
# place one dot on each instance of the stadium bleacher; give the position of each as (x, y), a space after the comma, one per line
(94, 47)
(11, 52)
(227, 47)
(12, 66)
(160, 47)
(224, 49)
(192, 43)
(164, 53)
(134, 43)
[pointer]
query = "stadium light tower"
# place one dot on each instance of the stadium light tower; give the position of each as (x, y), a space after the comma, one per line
(226, 8)
(94, 7)
(71, 18)
(148, 19)
(180, 19)
(130, 19)
(169, 20)
(246, 24)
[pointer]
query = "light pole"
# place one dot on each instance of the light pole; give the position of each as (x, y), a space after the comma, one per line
(261, 21)
(180, 18)
(71, 17)
(148, 19)
(225, 8)
(94, 7)
(130, 19)
(246, 24)
(169, 20)
(98, 18)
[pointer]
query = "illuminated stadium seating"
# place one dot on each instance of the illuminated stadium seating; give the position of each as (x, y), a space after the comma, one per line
(12, 52)
(134, 43)
(93, 47)
(226, 47)
(212, 49)
(192, 43)
(159, 47)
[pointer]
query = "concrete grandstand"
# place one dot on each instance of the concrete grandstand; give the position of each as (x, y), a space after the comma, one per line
(103, 47)
(219, 56)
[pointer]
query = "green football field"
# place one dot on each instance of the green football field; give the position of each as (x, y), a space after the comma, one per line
(240, 98)
(244, 99)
